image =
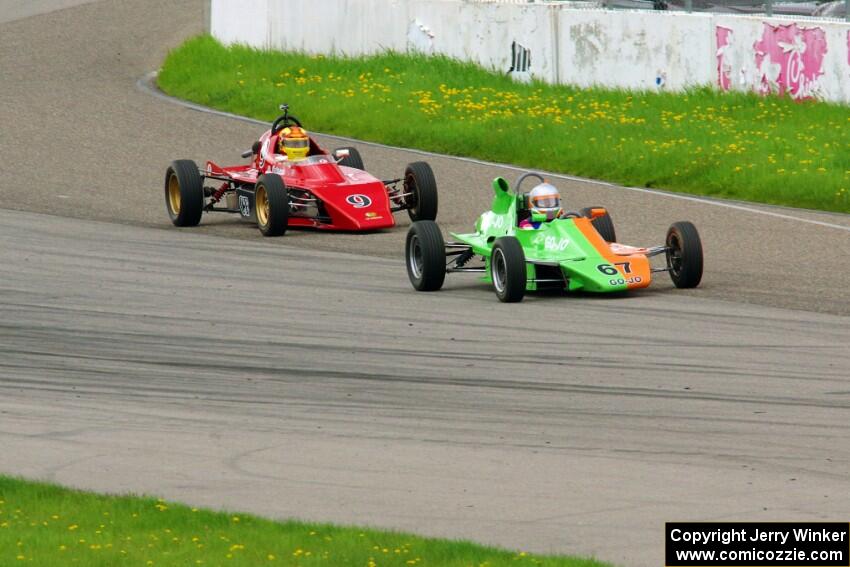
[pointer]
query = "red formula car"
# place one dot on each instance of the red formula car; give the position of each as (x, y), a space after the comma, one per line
(303, 186)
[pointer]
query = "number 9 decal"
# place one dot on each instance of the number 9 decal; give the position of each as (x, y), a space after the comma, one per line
(358, 201)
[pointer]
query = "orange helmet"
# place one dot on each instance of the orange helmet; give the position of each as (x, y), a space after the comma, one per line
(294, 142)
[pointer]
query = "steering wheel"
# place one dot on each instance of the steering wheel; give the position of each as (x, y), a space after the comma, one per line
(284, 120)
(525, 176)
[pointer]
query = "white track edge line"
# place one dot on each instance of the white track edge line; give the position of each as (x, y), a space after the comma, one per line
(145, 84)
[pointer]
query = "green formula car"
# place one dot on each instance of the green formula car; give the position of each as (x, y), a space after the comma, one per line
(526, 242)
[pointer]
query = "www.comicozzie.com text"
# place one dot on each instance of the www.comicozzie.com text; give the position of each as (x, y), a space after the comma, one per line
(779, 536)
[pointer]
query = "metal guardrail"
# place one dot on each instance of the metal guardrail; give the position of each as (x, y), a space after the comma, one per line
(836, 9)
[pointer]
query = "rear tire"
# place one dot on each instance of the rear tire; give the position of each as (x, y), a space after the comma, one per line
(684, 255)
(184, 193)
(353, 159)
(419, 180)
(507, 269)
(271, 205)
(604, 225)
(425, 254)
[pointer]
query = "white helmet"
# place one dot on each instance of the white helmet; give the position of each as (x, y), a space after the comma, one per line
(545, 199)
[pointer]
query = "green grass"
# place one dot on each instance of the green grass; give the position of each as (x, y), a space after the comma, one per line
(740, 146)
(46, 525)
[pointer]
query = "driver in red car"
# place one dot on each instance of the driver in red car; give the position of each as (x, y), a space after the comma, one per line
(294, 142)
(543, 200)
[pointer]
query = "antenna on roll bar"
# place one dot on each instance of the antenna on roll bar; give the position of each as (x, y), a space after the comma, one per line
(285, 108)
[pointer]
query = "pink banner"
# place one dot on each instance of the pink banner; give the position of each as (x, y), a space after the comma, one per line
(786, 60)
(790, 59)
(724, 80)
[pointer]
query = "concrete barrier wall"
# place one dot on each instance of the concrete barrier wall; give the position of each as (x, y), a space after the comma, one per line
(635, 50)
(485, 32)
(562, 44)
(246, 22)
(350, 27)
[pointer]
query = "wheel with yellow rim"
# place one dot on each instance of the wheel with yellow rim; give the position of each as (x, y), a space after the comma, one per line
(184, 193)
(271, 203)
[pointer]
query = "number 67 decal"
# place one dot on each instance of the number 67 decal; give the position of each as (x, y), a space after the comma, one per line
(610, 270)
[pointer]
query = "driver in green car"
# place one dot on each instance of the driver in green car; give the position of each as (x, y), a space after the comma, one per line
(544, 202)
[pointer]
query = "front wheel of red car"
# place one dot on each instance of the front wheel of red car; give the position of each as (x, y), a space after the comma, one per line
(507, 269)
(184, 193)
(684, 255)
(421, 189)
(271, 203)
(425, 256)
(353, 159)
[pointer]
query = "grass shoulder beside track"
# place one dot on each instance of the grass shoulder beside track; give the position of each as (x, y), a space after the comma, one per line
(47, 525)
(740, 146)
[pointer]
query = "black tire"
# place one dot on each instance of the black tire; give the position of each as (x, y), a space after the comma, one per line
(507, 269)
(604, 225)
(353, 159)
(425, 256)
(684, 254)
(271, 205)
(419, 181)
(184, 193)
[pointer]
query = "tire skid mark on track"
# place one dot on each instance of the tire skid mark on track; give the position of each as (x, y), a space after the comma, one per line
(330, 375)
(308, 350)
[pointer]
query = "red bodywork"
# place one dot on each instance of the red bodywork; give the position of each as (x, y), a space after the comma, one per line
(346, 198)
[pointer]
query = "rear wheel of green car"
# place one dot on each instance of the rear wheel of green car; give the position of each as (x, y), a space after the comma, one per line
(684, 255)
(507, 269)
(425, 255)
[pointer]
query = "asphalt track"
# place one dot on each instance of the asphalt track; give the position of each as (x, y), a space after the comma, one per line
(302, 377)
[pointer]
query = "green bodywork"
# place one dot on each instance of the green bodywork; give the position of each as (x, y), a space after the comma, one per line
(556, 244)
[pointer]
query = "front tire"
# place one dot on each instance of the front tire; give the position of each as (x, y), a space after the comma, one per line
(184, 193)
(507, 269)
(604, 225)
(271, 203)
(684, 255)
(353, 159)
(425, 255)
(420, 182)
